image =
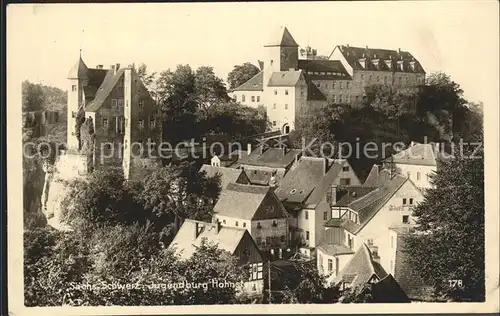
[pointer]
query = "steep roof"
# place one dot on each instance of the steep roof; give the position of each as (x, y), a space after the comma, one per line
(349, 194)
(105, 89)
(253, 84)
(282, 37)
(240, 200)
(264, 177)
(79, 70)
(187, 239)
(227, 175)
(308, 180)
(322, 69)
(360, 269)
(418, 154)
(95, 80)
(313, 93)
(376, 59)
(288, 78)
(270, 157)
(388, 290)
(368, 205)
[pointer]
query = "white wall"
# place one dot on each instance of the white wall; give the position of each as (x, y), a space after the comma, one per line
(417, 173)
(322, 263)
(258, 98)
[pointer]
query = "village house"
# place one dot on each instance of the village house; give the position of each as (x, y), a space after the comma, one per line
(305, 191)
(364, 270)
(364, 215)
(288, 87)
(267, 166)
(227, 175)
(122, 114)
(236, 240)
(418, 162)
(256, 209)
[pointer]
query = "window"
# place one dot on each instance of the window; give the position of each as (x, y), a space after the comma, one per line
(307, 235)
(370, 78)
(258, 98)
(244, 224)
(224, 221)
(357, 98)
(258, 240)
(282, 238)
(236, 224)
(406, 219)
(325, 216)
(385, 79)
(141, 105)
(275, 91)
(274, 106)
(347, 85)
(378, 78)
(73, 87)
(235, 97)
(259, 225)
(120, 103)
(340, 84)
(362, 77)
(286, 92)
(119, 124)
(242, 98)
(152, 123)
(253, 98)
(341, 99)
(302, 92)
(105, 123)
(404, 201)
(348, 98)
(140, 124)
(334, 98)
(411, 201)
(286, 106)
(319, 84)
(345, 168)
(275, 224)
(268, 240)
(274, 123)
(345, 181)
(306, 215)
(418, 175)
(333, 85)
(330, 265)
(114, 102)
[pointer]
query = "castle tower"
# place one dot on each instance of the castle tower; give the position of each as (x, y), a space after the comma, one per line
(77, 79)
(282, 53)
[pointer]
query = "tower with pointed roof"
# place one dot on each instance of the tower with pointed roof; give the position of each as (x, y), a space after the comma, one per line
(77, 78)
(282, 53)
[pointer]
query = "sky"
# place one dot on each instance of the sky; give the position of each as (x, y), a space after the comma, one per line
(460, 38)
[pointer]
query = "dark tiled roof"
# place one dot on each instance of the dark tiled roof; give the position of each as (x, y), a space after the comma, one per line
(388, 290)
(282, 38)
(332, 69)
(79, 70)
(253, 84)
(353, 54)
(95, 80)
(362, 267)
(285, 78)
(240, 200)
(334, 249)
(348, 194)
(325, 184)
(227, 175)
(270, 157)
(107, 86)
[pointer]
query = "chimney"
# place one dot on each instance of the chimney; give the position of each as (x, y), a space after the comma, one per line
(347, 45)
(99, 66)
(117, 67)
(112, 67)
(399, 50)
(366, 46)
(374, 252)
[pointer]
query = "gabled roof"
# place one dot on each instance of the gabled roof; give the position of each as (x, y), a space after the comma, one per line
(321, 69)
(308, 180)
(270, 157)
(253, 84)
(105, 89)
(283, 38)
(241, 200)
(368, 205)
(95, 80)
(313, 93)
(79, 70)
(227, 175)
(372, 55)
(418, 154)
(361, 269)
(288, 78)
(187, 239)
(264, 177)
(349, 194)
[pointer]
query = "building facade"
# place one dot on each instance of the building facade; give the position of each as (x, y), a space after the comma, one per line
(288, 87)
(122, 116)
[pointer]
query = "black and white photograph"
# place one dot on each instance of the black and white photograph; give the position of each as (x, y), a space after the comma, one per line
(292, 156)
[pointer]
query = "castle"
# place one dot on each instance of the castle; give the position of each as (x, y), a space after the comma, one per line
(118, 112)
(288, 86)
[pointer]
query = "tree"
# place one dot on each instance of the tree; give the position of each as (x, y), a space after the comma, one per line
(449, 240)
(33, 97)
(241, 74)
(209, 89)
(358, 294)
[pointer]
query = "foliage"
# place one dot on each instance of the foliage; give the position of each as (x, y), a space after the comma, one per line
(451, 219)
(241, 74)
(358, 294)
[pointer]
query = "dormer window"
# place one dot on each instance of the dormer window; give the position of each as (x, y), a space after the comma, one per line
(275, 223)
(400, 65)
(259, 226)
(388, 63)
(362, 62)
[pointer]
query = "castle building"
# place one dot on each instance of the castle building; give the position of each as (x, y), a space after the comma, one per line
(289, 87)
(121, 113)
